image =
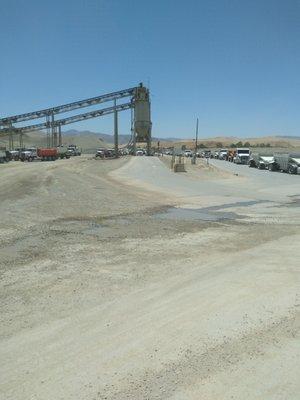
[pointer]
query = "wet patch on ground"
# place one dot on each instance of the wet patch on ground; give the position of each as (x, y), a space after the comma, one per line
(211, 213)
(294, 203)
(201, 214)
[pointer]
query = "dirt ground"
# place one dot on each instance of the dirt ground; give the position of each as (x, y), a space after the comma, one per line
(123, 280)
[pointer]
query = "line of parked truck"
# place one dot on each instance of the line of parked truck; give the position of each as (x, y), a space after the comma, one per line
(284, 162)
(42, 154)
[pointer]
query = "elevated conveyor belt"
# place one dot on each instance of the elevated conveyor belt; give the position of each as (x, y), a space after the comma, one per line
(69, 120)
(67, 107)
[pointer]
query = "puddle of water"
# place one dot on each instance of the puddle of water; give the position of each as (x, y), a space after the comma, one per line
(207, 213)
(294, 203)
(237, 204)
(196, 214)
(94, 228)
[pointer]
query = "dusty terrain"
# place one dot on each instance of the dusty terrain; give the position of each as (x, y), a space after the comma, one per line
(122, 280)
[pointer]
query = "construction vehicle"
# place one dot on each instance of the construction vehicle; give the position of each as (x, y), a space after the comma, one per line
(73, 150)
(242, 156)
(208, 154)
(27, 154)
(62, 152)
(105, 153)
(260, 161)
(230, 155)
(222, 154)
(188, 153)
(288, 162)
(50, 154)
(14, 155)
(3, 155)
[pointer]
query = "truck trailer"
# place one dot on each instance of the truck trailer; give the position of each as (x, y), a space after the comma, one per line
(46, 154)
(286, 162)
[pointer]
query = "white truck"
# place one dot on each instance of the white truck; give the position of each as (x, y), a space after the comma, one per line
(188, 153)
(222, 154)
(73, 150)
(242, 156)
(260, 160)
(28, 154)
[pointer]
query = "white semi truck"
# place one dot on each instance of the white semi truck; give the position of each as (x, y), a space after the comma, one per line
(260, 160)
(222, 154)
(242, 156)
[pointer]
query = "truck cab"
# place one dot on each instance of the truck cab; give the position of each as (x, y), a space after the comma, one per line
(28, 154)
(223, 154)
(242, 156)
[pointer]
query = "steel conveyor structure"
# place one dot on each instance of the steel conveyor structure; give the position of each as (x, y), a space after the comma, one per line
(140, 103)
(67, 107)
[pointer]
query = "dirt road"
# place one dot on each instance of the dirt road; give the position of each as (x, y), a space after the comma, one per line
(122, 280)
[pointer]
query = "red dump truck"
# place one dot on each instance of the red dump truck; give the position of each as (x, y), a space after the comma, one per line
(47, 154)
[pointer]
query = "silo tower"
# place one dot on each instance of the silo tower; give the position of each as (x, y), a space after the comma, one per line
(142, 116)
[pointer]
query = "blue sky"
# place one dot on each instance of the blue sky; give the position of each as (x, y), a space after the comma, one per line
(233, 63)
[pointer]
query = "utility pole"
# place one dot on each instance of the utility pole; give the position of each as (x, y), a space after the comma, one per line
(21, 142)
(59, 135)
(196, 141)
(193, 160)
(53, 133)
(48, 130)
(116, 130)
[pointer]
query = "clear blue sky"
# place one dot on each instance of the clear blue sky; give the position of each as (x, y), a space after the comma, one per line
(233, 63)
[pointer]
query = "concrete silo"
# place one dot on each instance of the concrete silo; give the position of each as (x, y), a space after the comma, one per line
(142, 116)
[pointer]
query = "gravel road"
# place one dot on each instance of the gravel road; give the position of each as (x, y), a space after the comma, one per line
(122, 280)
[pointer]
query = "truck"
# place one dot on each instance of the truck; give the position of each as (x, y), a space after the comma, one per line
(50, 154)
(260, 160)
(108, 153)
(28, 154)
(188, 153)
(3, 155)
(286, 162)
(14, 155)
(230, 155)
(242, 156)
(222, 154)
(73, 150)
(62, 152)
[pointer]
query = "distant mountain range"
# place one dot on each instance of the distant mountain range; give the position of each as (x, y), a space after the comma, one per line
(288, 137)
(123, 139)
